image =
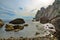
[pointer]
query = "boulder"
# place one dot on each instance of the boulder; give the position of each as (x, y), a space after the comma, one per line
(9, 27)
(18, 27)
(17, 21)
(1, 23)
(44, 20)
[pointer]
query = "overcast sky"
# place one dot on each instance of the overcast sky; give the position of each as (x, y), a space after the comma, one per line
(24, 7)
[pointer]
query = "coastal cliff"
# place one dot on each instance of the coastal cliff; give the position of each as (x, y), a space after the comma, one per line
(50, 12)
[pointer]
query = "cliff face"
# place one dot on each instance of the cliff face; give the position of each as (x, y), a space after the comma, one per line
(50, 12)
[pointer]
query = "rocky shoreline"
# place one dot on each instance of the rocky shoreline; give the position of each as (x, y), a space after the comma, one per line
(36, 38)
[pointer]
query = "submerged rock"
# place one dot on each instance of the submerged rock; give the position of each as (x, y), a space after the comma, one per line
(1, 23)
(17, 21)
(9, 27)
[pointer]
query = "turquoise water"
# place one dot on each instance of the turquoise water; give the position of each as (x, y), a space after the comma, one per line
(29, 31)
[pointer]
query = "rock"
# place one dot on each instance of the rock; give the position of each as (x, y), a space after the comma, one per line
(18, 27)
(51, 11)
(25, 24)
(9, 27)
(17, 21)
(37, 33)
(37, 26)
(44, 20)
(1, 23)
(40, 13)
(56, 23)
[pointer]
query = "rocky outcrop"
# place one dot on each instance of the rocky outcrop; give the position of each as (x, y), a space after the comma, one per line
(17, 21)
(56, 23)
(50, 12)
(1, 23)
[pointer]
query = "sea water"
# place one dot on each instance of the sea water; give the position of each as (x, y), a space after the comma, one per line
(29, 31)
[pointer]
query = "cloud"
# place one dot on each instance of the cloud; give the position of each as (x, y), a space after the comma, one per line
(6, 14)
(23, 7)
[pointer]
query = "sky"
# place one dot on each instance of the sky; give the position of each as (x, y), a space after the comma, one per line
(21, 8)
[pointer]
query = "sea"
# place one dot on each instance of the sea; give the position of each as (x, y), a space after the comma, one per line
(29, 31)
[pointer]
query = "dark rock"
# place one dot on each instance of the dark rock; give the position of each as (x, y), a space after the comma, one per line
(9, 27)
(44, 20)
(25, 24)
(17, 21)
(18, 27)
(1, 23)
(37, 33)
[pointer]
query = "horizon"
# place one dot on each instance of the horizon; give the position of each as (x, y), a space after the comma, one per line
(21, 8)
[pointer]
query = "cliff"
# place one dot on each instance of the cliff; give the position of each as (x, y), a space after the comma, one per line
(50, 12)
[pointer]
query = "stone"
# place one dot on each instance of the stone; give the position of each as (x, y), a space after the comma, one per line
(18, 27)
(44, 20)
(17, 21)
(9, 27)
(1, 23)
(25, 24)
(37, 33)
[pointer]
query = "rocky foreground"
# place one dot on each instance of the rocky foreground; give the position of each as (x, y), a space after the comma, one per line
(36, 38)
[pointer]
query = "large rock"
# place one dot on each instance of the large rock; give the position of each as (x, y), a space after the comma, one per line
(44, 20)
(1, 23)
(17, 21)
